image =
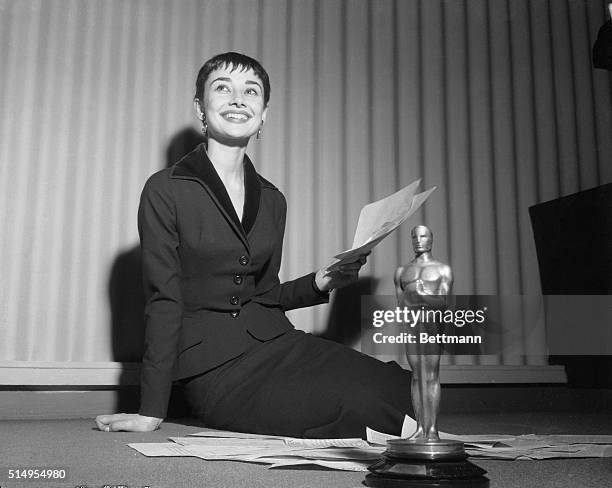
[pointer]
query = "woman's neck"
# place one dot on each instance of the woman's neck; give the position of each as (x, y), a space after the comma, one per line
(227, 160)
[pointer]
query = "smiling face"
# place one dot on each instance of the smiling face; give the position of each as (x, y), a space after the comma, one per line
(233, 104)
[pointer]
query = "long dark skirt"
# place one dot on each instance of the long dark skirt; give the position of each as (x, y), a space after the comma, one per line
(299, 385)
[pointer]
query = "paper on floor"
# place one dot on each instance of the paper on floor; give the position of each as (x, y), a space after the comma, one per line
(166, 449)
(323, 443)
(290, 441)
(357, 454)
(235, 435)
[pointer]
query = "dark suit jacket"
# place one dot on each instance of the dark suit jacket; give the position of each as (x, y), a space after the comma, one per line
(211, 281)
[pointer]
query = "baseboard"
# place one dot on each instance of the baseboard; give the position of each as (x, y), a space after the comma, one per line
(488, 398)
(20, 373)
(68, 373)
(469, 374)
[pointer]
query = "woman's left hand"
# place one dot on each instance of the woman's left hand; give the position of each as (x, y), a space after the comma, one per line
(130, 422)
(348, 273)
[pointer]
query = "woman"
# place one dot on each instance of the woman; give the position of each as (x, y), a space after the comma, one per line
(211, 233)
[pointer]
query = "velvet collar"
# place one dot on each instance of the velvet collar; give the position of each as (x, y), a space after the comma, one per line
(196, 165)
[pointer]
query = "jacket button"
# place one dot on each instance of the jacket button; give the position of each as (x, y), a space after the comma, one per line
(238, 279)
(243, 260)
(235, 313)
(234, 300)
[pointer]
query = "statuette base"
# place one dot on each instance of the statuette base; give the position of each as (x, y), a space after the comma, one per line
(418, 464)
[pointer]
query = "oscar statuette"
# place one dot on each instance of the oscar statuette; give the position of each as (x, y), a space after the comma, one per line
(423, 459)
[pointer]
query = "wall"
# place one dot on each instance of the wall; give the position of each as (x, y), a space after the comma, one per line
(495, 102)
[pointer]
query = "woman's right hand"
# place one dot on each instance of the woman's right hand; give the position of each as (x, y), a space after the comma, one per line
(131, 422)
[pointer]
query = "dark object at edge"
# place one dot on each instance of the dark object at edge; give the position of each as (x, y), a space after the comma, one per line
(602, 49)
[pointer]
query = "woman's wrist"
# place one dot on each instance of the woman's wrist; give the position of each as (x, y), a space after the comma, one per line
(153, 420)
(319, 289)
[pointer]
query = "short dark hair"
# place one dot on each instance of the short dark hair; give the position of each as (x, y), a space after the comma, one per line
(235, 61)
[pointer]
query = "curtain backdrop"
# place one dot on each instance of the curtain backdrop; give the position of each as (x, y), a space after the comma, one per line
(493, 101)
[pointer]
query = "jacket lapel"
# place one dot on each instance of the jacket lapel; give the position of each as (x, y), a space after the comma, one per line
(252, 196)
(196, 166)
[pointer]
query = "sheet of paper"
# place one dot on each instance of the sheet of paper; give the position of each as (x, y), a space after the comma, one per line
(586, 451)
(575, 439)
(378, 219)
(338, 465)
(541, 447)
(166, 449)
(389, 209)
(230, 442)
(219, 453)
(210, 448)
(290, 441)
(322, 443)
(478, 438)
(235, 435)
(408, 428)
(231, 448)
(338, 453)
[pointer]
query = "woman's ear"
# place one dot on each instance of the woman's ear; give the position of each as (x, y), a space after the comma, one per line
(199, 109)
(264, 114)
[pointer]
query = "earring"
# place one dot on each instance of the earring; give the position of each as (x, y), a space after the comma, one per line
(259, 131)
(204, 127)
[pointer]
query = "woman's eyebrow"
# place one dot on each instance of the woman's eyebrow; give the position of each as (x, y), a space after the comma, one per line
(221, 78)
(253, 82)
